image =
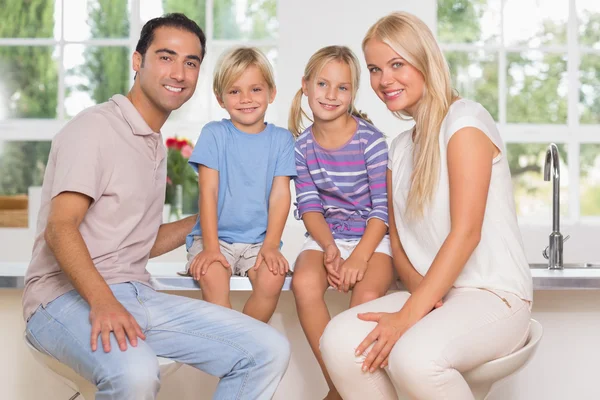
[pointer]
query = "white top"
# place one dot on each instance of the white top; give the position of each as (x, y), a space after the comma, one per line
(499, 260)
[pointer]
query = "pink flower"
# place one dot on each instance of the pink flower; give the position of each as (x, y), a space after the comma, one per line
(169, 181)
(186, 151)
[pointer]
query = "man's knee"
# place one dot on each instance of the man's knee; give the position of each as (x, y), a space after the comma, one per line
(132, 380)
(273, 351)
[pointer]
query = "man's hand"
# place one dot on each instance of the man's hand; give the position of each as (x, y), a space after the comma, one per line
(332, 260)
(113, 317)
(203, 260)
(272, 257)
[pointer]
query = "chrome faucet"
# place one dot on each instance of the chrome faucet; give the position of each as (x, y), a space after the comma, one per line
(554, 251)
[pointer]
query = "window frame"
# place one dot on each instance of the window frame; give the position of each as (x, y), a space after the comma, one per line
(573, 134)
(35, 129)
(44, 129)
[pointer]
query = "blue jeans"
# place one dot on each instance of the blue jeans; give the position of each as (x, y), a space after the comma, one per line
(249, 356)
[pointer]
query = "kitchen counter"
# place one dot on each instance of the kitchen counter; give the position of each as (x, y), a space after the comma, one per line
(164, 277)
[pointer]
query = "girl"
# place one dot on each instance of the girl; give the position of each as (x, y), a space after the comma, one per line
(341, 195)
(454, 236)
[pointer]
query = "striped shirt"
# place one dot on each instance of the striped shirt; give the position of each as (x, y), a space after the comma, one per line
(347, 185)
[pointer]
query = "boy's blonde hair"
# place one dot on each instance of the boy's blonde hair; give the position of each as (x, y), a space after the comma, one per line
(315, 64)
(234, 62)
(410, 37)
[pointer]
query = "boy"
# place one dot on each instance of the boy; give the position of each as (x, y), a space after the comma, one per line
(244, 168)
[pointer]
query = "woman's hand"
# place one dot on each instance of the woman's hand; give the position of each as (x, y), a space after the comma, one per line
(390, 326)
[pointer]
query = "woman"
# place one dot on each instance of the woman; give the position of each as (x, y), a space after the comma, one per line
(454, 234)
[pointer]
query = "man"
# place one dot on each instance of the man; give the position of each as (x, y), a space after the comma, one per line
(100, 221)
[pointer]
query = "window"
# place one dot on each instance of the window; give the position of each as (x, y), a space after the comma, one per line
(535, 65)
(58, 57)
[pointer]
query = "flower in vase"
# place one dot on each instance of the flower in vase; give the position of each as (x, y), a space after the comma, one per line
(180, 175)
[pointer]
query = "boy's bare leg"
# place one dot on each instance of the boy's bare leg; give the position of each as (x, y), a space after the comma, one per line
(215, 285)
(266, 289)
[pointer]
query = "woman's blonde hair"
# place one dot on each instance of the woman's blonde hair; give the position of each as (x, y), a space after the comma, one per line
(234, 62)
(410, 37)
(315, 64)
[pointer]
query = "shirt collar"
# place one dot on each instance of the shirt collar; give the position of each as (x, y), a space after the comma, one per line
(132, 116)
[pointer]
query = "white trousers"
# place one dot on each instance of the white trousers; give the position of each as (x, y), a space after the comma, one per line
(473, 326)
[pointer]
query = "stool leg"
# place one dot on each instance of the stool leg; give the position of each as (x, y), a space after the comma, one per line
(88, 393)
(481, 392)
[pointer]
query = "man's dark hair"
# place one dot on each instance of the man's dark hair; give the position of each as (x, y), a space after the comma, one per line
(173, 20)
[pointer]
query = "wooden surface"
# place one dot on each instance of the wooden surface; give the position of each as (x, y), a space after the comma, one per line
(13, 211)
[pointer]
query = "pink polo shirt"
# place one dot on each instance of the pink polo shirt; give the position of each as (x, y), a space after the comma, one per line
(110, 154)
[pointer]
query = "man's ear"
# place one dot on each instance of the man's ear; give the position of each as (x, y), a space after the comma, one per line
(137, 61)
(272, 94)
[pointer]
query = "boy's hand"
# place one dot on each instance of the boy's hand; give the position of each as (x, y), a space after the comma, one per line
(275, 261)
(204, 259)
(351, 271)
(332, 260)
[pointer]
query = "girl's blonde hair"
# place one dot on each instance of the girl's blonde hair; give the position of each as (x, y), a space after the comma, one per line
(234, 62)
(410, 37)
(315, 64)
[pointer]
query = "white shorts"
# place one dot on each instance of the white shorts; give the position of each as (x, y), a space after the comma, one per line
(347, 246)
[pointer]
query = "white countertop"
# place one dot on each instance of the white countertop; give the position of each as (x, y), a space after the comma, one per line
(164, 277)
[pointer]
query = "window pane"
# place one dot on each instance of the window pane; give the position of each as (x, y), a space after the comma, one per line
(245, 19)
(475, 76)
(537, 88)
(193, 9)
(28, 82)
(94, 75)
(533, 195)
(589, 95)
(588, 12)
(469, 21)
(94, 19)
(589, 181)
(28, 19)
(535, 23)
(22, 165)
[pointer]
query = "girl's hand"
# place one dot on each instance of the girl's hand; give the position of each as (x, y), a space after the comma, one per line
(351, 271)
(274, 260)
(390, 327)
(332, 260)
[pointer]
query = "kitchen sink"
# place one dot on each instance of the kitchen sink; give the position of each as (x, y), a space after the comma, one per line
(568, 266)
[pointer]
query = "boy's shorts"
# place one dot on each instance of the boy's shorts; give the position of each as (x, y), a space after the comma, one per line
(241, 256)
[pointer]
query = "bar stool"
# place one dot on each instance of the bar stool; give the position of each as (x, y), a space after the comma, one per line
(482, 378)
(82, 386)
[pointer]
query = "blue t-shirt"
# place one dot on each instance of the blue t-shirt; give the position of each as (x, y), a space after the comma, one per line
(247, 164)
